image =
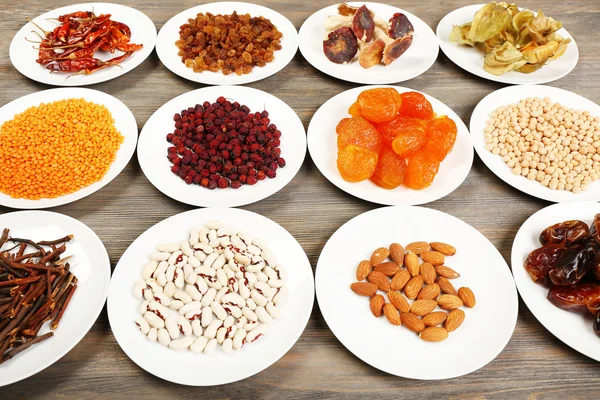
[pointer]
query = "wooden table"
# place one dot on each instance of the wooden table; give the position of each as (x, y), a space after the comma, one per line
(533, 365)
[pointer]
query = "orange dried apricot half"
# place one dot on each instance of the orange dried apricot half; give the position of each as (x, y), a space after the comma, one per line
(409, 142)
(379, 104)
(441, 132)
(353, 110)
(415, 105)
(390, 129)
(421, 170)
(358, 131)
(356, 163)
(390, 170)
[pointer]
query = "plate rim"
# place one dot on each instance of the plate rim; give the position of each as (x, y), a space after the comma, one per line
(238, 80)
(458, 220)
(106, 261)
(361, 81)
(12, 48)
(232, 203)
(401, 89)
(13, 203)
(207, 210)
(518, 281)
(483, 155)
(500, 79)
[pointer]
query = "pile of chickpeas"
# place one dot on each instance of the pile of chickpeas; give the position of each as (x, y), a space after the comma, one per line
(547, 142)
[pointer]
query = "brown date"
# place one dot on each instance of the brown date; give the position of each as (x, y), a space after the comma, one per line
(571, 265)
(595, 261)
(595, 229)
(541, 261)
(573, 298)
(593, 305)
(566, 233)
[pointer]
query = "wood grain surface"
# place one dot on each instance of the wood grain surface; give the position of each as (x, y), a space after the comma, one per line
(533, 365)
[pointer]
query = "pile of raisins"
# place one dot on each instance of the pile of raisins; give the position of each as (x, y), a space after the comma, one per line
(223, 145)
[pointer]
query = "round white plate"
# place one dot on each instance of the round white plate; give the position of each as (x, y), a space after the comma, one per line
(513, 94)
(91, 266)
(322, 145)
(487, 327)
(124, 123)
(471, 59)
(185, 367)
(572, 328)
(153, 145)
(23, 55)
(169, 34)
(419, 57)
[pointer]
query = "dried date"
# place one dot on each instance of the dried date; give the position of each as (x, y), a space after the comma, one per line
(571, 266)
(573, 298)
(541, 261)
(566, 233)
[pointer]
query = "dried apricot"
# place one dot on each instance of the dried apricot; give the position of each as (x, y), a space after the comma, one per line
(415, 105)
(358, 131)
(441, 132)
(356, 163)
(353, 110)
(390, 129)
(390, 170)
(409, 142)
(421, 170)
(380, 104)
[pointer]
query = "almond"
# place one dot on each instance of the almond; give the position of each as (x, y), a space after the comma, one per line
(435, 318)
(363, 269)
(467, 296)
(434, 334)
(399, 280)
(443, 248)
(379, 255)
(411, 261)
(413, 287)
(427, 271)
(399, 301)
(418, 247)
(423, 307)
(364, 288)
(446, 272)
(429, 292)
(392, 314)
(397, 253)
(380, 280)
(454, 319)
(449, 302)
(445, 285)
(388, 268)
(376, 304)
(412, 322)
(433, 257)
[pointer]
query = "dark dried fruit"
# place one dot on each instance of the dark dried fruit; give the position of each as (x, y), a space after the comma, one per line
(571, 266)
(363, 25)
(341, 45)
(597, 325)
(395, 49)
(593, 305)
(595, 230)
(566, 233)
(540, 261)
(400, 26)
(573, 298)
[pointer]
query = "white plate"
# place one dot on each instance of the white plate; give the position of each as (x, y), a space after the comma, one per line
(487, 327)
(124, 123)
(169, 34)
(322, 145)
(572, 328)
(23, 55)
(419, 57)
(513, 94)
(91, 266)
(471, 59)
(185, 367)
(153, 145)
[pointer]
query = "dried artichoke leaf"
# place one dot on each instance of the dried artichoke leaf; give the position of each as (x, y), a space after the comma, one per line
(503, 58)
(488, 22)
(541, 28)
(459, 34)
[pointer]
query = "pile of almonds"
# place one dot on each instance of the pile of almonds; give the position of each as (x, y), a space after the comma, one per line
(427, 284)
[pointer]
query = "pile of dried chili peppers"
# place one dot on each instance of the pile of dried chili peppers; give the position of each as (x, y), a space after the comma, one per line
(71, 46)
(36, 286)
